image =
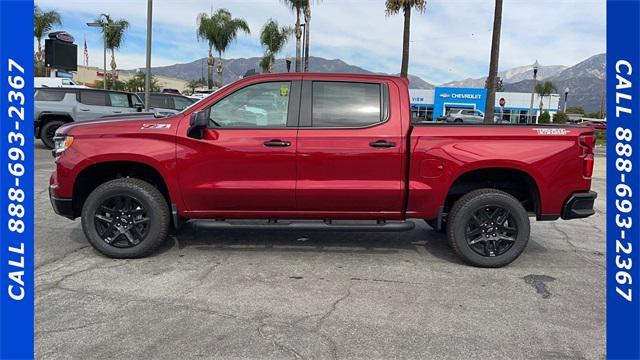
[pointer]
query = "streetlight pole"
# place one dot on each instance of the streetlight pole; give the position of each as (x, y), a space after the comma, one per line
(147, 77)
(533, 90)
(104, 25)
(566, 95)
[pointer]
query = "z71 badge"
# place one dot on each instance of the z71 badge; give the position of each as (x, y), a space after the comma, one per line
(155, 126)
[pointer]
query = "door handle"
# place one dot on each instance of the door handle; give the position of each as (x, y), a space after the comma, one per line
(277, 143)
(82, 109)
(117, 112)
(382, 144)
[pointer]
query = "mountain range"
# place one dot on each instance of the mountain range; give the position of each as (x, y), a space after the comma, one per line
(586, 80)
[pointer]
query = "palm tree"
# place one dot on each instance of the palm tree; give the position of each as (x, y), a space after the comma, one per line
(492, 79)
(219, 30)
(114, 37)
(545, 89)
(307, 29)
(43, 22)
(273, 38)
(393, 8)
(297, 6)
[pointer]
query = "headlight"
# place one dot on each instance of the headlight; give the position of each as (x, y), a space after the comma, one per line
(61, 143)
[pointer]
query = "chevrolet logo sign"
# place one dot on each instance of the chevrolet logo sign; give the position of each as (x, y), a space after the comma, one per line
(445, 96)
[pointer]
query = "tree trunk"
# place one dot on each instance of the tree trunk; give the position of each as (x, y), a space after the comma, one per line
(39, 54)
(307, 22)
(298, 36)
(404, 70)
(113, 69)
(210, 70)
(493, 66)
(219, 68)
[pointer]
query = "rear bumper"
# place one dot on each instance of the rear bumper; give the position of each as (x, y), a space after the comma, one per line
(579, 205)
(62, 206)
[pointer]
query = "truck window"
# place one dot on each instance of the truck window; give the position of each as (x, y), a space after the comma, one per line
(182, 103)
(119, 99)
(97, 98)
(50, 95)
(263, 105)
(159, 101)
(345, 104)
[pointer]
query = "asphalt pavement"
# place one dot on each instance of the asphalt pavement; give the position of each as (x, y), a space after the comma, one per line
(295, 295)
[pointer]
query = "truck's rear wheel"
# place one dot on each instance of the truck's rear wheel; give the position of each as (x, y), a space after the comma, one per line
(125, 218)
(48, 131)
(488, 228)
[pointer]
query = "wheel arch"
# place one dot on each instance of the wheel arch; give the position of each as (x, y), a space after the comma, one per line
(99, 172)
(512, 180)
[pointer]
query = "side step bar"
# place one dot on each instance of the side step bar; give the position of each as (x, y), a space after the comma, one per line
(381, 226)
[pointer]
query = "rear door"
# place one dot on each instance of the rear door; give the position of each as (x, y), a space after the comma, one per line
(350, 149)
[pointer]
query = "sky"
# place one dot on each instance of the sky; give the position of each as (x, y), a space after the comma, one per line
(450, 41)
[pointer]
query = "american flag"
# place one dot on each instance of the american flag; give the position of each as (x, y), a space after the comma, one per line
(86, 53)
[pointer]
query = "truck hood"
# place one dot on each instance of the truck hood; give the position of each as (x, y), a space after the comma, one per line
(120, 126)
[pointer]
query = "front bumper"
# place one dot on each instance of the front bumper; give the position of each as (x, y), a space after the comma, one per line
(62, 206)
(579, 205)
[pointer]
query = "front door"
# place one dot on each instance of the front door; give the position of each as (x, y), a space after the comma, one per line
(245, 162)
(349, 150)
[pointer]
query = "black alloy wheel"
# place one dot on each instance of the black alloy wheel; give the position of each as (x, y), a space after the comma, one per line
(126, 218)
(491, 231)
(122, 221)
(488, 228)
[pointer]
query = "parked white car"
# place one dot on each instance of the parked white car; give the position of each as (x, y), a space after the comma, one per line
(42, 82)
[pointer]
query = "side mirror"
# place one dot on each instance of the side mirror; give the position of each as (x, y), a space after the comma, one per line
(139, 107)
(197, 123)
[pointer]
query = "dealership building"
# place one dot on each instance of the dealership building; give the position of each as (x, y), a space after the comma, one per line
(428, 105)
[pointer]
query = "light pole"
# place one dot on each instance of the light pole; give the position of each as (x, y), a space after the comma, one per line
(147, 77)
(104, 25)
(566, 95)
(533, 89)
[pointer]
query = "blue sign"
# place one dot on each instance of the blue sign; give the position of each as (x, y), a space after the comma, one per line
(469, 98)
(623, 180)
(16, 180)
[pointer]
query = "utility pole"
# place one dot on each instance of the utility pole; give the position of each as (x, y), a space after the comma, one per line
(147, 77)
(533, 90)
(493, 65)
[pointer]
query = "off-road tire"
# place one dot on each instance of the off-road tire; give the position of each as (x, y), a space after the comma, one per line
(148, 196)
(461, 214)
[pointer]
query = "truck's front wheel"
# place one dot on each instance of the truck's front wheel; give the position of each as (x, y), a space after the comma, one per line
(488, 228)
(125, 218)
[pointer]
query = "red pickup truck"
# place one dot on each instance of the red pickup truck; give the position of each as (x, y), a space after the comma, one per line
(316, 152)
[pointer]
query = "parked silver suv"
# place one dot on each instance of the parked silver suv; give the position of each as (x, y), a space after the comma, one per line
(54, 107)
(465, 116)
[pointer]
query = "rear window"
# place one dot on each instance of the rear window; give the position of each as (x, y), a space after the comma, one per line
(51, 95)
(97, 98)
(344, 104)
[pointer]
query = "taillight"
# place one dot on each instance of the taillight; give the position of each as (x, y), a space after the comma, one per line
(588, 165)
(588, 141)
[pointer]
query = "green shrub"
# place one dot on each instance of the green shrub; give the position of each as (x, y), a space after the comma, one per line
(560, 118)
(545, 118)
